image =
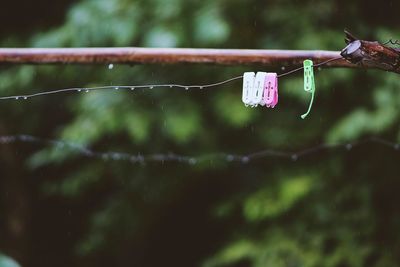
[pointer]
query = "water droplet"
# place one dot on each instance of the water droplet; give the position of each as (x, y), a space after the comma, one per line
(294, 157)
(230, 158)
(349, 146)
(17, 98)
(116, 156)
(79, 90)
(110, 66)
(245, 159)
(283, 68)
(116, 88)
(170, 86)
(151, 87)
(132, 88)
(201, 87)
(186, 88)
(87, 91)
(397, 146)
(192, 161)
(25, 97)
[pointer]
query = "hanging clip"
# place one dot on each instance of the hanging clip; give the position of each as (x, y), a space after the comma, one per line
(270, 98)
(248, 85)
(257, 97)
(309, 83)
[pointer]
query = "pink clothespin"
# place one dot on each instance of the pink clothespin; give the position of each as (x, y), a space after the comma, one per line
(270, 96)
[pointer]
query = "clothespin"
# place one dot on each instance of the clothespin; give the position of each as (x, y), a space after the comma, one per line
(257, 97)
(248, 85)
(270, 98)
(309, 83)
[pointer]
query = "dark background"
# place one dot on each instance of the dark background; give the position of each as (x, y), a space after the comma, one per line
(332, 208)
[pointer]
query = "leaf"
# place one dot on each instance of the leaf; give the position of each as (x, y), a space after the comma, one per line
(268, 204)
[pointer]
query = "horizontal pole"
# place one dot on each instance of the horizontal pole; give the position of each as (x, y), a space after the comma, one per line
(140, 55)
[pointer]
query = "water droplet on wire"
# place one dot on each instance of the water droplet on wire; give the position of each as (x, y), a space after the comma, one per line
(230, 158)
(110, 66)
(245, 159)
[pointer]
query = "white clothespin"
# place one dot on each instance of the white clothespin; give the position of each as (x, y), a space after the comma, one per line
(248, 87)
(257, 98)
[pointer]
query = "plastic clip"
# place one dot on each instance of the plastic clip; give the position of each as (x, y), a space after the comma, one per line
(309, 83)
(257, 97)
(270, 98)
(248, 85)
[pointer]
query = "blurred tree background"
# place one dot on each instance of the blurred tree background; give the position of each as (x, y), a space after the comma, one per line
(334, 208)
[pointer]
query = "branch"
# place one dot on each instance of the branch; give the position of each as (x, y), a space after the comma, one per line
(133, 55)
(369, 54)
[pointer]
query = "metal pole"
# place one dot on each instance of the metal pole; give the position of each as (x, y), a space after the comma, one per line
(136, 55)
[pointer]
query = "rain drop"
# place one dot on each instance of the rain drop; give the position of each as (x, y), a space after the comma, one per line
(283, 68)
(230, 158)
(192, 161)
(294, 157)
(79, 90)
(110, 66)
(245, 159)
(87, 91)
(17, 98)
(25, 97)
(201, 87)
(349, 146)
(397, 146)
(186, 88)
(116, 88)
(132, 88)
(151, 87)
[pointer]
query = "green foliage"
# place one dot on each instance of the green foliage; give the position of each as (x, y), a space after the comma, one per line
(274, 201)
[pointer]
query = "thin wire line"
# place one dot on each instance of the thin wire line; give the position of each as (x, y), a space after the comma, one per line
(150, 86)
(316, 65)
(172, 157)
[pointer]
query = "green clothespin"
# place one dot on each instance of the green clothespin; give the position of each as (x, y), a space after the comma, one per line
(309, 83)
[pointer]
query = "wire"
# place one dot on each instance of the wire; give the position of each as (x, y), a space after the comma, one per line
(392, 42)
(316, 65)
(172, 157)
(150, 86)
